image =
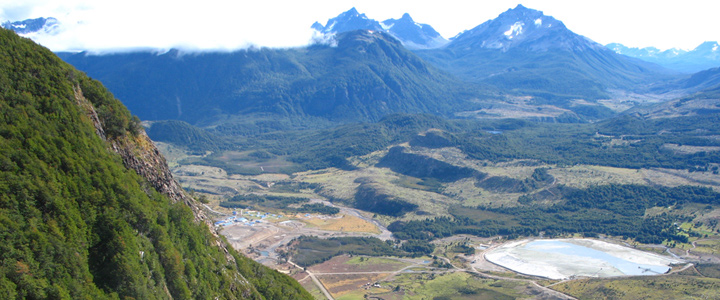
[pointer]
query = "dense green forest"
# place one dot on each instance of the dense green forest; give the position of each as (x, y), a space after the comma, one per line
(627, 141)
(182, 133)
(618, 210)
(75, 223)
(253, 201)
(369, 198)
(310, 250)
(424, 167)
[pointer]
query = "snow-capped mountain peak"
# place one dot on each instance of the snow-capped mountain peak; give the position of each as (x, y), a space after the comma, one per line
(348, 21)
(522, 27)
(412, 34)
(707, 47)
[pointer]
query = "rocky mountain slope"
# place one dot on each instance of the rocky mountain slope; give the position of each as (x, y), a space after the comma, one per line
(523, 49)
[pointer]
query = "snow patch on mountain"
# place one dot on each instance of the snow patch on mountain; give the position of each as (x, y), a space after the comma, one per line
(515, 30)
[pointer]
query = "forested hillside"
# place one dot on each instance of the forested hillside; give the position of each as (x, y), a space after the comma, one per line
(360, 76)
(75, 222)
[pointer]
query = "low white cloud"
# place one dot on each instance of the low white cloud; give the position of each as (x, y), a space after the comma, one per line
(319, 38)
(209, 24)
(100, 25)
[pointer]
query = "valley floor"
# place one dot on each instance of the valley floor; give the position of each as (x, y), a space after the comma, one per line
(449, 272)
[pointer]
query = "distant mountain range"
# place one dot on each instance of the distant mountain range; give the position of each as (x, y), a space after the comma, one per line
(704, 57)
(413, 35)
(524, 50)
(520, 64)
(30, 26)
(364, 77)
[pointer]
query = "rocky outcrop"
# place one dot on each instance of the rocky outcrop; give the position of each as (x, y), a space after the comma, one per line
(139, 153)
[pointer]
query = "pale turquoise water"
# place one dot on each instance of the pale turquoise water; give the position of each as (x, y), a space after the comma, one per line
(626, 267)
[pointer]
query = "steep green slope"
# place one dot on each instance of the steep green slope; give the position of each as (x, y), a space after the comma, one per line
(76, 222)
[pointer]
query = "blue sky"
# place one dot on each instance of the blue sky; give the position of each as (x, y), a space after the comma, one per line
(223, 24)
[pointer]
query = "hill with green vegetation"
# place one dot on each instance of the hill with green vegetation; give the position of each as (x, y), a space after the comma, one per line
(182, 133)
(87, 207)
(360, 76)
(704, 100)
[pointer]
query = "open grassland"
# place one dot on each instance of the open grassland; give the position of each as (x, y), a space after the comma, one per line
(368, 160)
(355, 277)
(708, 270)
(579, 176)
(582, 176)
(375, 263)
(310, 286)
(353, 264)
(343, 223)
(246, 160)
(708, 246)
(173, 154)
(686, 149)
(342, 184)
(432, 197)
(670, 177)
(464, 190)
(649, 287)
(456, 285)
(517, 169)
(340, 284)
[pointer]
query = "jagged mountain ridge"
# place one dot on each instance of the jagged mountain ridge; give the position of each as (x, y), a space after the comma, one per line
(89, 209)
(29, 26)
(524, 50)
(522, 28)
(413, 35)
(703, 57)
(366, 76)
(348, 21)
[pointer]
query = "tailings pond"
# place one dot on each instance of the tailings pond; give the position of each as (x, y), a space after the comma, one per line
(568, 258)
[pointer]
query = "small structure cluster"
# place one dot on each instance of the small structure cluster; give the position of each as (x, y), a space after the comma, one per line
(251, 218)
